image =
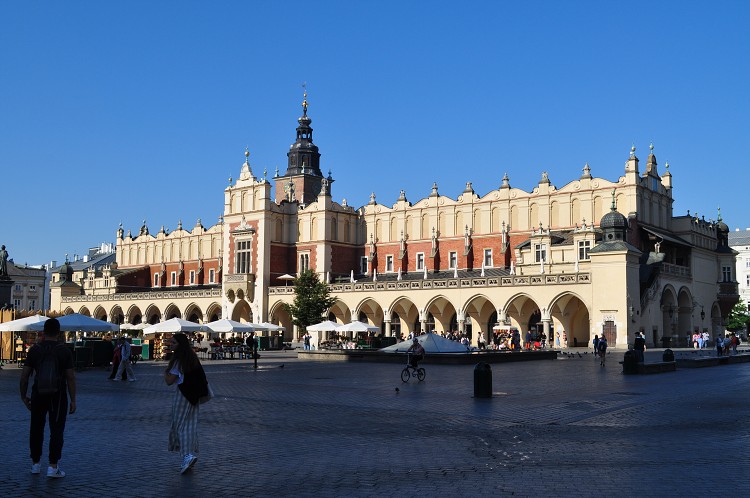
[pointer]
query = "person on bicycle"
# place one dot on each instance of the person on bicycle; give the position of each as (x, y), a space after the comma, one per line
(417, 353)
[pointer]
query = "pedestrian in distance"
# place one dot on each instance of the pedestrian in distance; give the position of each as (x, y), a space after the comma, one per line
(602, 350)
(125, 365)
(639, 347)
(116, 358)
(596, 345)
(252, 346)
(185, 370)
(54, 381)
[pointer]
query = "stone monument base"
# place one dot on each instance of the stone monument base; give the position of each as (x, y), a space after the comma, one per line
(6, 284)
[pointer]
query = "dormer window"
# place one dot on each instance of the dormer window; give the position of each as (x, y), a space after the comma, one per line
(540, 253)
(584, 246)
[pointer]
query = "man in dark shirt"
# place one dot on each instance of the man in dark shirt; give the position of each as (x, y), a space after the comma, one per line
(55, 404)
(639, 347)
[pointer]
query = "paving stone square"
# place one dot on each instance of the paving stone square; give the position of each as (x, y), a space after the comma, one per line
(565, 427)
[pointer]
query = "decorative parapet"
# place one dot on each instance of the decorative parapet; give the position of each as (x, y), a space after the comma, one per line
(142, 296)
(509, 281)
(676, 271)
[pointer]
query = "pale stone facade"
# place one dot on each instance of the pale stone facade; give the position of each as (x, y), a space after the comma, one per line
(739, 240)
(595, 256)
(28, 290)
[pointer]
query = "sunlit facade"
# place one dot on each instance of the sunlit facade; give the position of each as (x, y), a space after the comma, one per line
(594, 256)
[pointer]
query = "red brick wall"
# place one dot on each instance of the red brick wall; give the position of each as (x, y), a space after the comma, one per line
(282, 260)
(344, 259)
(445, 246)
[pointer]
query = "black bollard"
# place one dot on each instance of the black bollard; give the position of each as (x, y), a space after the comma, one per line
(629, 363)
(668, 355)
(482, 380)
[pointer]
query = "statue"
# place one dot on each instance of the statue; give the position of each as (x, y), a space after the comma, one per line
(3, 262)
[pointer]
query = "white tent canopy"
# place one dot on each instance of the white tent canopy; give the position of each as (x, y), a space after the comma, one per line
(130, 326)
(22, 324)
(327, 326)
(174, 325)
(75, 322)
(269, 327)
(357, 327)
(225, 326)
(320, 328)
(432, 344)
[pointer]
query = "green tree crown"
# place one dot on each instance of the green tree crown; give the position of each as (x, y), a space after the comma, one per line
(738, 318)
(311, 300)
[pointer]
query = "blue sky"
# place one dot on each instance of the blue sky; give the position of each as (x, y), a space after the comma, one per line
(123, 111)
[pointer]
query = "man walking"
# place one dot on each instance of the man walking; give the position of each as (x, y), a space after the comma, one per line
(125, 361)
(252, 345)
(639, 347)
(52, 363)
(602, 350)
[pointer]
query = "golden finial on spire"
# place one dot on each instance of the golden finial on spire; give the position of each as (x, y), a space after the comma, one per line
(304, 99)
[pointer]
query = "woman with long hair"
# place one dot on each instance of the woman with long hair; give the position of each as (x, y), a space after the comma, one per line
(185, 370)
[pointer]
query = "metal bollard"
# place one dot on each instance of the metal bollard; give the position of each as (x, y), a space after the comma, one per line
(629, 363)
(482, 380)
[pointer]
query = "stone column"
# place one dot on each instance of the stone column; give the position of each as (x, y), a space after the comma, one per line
(545, 328)
(387, 319)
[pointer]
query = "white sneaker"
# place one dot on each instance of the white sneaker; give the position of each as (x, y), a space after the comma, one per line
(131, 380)
(188, 462)
(56, 473)
(36, 468)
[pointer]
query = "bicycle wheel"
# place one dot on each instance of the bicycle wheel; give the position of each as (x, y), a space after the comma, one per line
(420, 374)
(405, 375)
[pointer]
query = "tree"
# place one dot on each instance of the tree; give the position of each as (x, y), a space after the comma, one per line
(738, 318)
(311, 299)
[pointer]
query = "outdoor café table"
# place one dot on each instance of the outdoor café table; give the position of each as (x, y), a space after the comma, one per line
(217, 353)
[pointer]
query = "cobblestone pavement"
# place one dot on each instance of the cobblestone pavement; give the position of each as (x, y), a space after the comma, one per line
(559, 428)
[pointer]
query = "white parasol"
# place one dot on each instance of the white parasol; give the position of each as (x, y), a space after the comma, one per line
(75, 322)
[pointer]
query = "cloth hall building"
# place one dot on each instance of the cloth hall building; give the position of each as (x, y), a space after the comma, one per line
(596, 256)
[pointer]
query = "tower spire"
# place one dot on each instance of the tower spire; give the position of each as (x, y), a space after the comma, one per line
(304, 99)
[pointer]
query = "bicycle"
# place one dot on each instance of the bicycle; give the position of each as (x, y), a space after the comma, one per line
(410, 371)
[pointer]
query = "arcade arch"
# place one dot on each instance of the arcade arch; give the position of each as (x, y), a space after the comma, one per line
(134, 315)
(153, 314)
(193, 313)
(370, 310)
(172, 311)
(523, 312)
(100, 314)
(404, 317)
(279, 315)
(478, 310)
(241, 312)
(213, 312)
(116, 315)
(339, 312)
(440, 315)
(570, 314)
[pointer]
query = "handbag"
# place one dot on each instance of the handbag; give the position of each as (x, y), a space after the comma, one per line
(207, 397)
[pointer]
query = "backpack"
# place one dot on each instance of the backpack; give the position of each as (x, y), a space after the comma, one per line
(48, 378)
(602, 346)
